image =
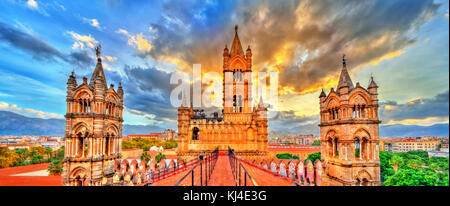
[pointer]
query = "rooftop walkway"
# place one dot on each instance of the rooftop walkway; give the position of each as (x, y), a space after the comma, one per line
(222, 175)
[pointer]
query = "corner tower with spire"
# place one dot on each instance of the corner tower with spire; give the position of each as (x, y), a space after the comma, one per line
(93, 129)
(349, 132)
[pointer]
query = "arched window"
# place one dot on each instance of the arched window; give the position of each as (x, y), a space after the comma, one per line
(363, 149)
(357, 148)
(195, 132)
(239, 103)
(330, 147)
(336, 147)
(107, 144)
(80, 144)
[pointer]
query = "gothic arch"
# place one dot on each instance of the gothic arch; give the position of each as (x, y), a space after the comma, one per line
(237, 62)
(82, 127)
(359, 98)
(83, 93)
(362, 133)
(363, 177)
(332, 102)
(111, 128)
(79, 172)
(112, 97)
(362, 137)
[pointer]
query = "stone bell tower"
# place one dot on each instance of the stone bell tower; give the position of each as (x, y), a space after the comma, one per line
(349, 133)
(93, 129)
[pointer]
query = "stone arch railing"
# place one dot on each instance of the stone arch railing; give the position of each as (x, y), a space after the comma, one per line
(303, 173)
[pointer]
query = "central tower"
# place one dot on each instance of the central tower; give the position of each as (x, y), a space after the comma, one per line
(240, 126)
(237, 73)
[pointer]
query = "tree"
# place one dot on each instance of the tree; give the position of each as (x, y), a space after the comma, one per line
(421, 153)
(56, 167)
(7, 157)
(146, 157)
(36, 159)
(22, 153)
(316, 143)
(60, 152)
(414, 177)
(414, 163)
(159, 157)
(37, 151)
(48, 151)
(396, 161)
(385, 167)
(313, 157)
(284, 156)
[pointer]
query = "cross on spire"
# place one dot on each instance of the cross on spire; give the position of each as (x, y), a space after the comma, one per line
(343, 60)
(98, 50)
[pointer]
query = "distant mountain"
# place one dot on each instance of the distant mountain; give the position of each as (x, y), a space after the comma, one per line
(399, 130)
(140, 129)
(18, 125)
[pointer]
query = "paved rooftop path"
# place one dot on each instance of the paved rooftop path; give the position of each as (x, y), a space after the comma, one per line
(222, 174)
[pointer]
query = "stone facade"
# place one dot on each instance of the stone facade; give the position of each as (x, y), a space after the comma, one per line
(240, 126)
(349, 133)
(93, 129)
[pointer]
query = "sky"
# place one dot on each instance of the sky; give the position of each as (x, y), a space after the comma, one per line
(402, 44)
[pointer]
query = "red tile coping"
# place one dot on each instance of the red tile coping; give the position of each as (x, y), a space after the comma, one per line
(7, 180)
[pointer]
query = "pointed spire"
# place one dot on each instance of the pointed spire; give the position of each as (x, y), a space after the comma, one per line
(236, 47)
(261, 103)
(183, 103)
(372, 82)
(322, 94)
(72, 81)
(120, 89)
(344, 79)
(98, 71)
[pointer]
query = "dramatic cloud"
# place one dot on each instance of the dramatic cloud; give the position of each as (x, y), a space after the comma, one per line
(303, 40)
(287, 123)
(82, 58)
(147, 93)
(33, 5)
(41, 50)
(137, 41)
(92, 22)
(82, 41)
(418, 111)
(37, 48)
(28, 112)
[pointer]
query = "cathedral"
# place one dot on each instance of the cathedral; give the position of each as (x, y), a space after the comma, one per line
(349, 133)
(93, 129)
(240, 125)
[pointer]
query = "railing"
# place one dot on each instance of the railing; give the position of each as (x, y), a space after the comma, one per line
(238, 170)
(290, 179)
(210, 162)
(164, 173)
(167, 172)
